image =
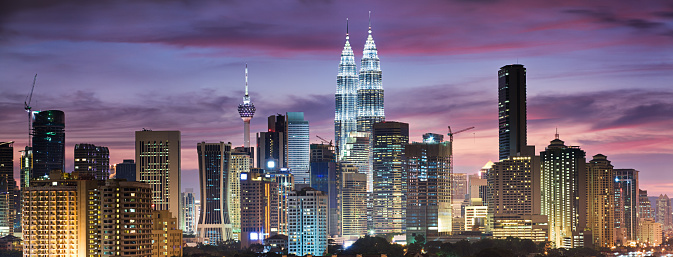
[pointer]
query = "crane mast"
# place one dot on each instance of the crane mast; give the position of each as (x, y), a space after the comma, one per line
(451, 141)
(27, 107)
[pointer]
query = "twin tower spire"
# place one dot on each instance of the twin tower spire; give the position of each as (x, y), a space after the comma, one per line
(359, 95)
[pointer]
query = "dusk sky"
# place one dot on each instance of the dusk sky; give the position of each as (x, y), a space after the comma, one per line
(599, 71)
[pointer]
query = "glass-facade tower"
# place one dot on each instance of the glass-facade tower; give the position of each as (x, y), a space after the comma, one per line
(345, 113)
(298, 152)
(511, 110)
(370, 90)
(48, 142)
(390, 181)
(214, 222)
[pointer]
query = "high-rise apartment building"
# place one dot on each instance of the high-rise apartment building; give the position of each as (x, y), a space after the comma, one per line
(600, 201)
(126, 170)
(512, 110)
(564, 193)
(459, 188)
(370, 89)
(67, 216)
(353, 204)
(93, 161)
(650, 232)
(158, 164)
(628, 179)
(259, 207)
(346, 112)
(239, 163)
(246, 110)
(390, 180)
(644, 206)
(272, 145)
(307, 222)
(189, 212)
(7, 189)
(428, 177)
(166, 237)
(214, 223)
(48, 142)
(298, 151)
(663, 212)
(620, 228)
(285, 181)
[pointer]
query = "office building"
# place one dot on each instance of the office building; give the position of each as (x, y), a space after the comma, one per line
(564, 193)
(476, 218)
(620, 228)
(283, 177)
(533, 227)
(345, 112)
(126, 170)
(307, 222)
(259, 207)
(48, 142)
(644, 206)
(26, 166)
(663, 212)
(92, 160)
(166, 237)
(272, 145)
(239, 163)
(158, 164)
(650, 232)
(600, 199)
(428, 177)
(325, 178)
(459, 188)
(214, 223)
(370, 89)
(298, 152)
(246, 110)
(68, 216)
(189, 212)
(628, 179)
(7, 189)
(390, 180)
(512, 110)
(359, 154)
(353, 204)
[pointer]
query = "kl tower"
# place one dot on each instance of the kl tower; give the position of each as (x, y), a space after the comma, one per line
(246, 110)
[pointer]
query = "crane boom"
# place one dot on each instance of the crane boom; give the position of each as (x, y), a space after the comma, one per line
(29, 98)
(324, 141)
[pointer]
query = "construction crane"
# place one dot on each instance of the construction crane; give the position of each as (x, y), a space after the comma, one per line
(451, 140)
(27, 107)
(324, 141)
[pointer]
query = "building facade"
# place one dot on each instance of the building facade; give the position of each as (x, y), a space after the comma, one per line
(92, 160)
(390, 180)
(428, 205)
(345, 113)
(564, 193)
(259, 207)
(663, 213)
(600, 201)
(7, 189)
(48, 142)
(189, 212)
(272, 145)
(158, 164)
(298, 151)
(650, 232)
(353, 204)
(166, 236)
(370, 89)
(214, 222)
(629, 183)
(307, 222)
(512, 110)
(239, 163)
(325, 178)
(126, 170)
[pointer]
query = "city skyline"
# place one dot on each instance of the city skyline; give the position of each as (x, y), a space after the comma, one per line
(585, 64)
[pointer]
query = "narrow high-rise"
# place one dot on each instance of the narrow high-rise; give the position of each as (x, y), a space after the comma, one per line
(663, 212)
(272, 145)
(246, 110)
(7, 188)
(600, 199)
(158, 164)
(214, 223)
(564, 193)
(370, 89)
(390, 180)
(189, 212)
(298, 149)
(307, 230)
(48, 142)
(346, 112)
(629, 183)
(512, 110)
(92, 160)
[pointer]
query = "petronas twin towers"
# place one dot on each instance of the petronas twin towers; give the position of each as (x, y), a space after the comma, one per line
(359, 97)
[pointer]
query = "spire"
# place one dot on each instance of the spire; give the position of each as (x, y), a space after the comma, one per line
(370, 22)
(346, 27)
(246, 80)
(556, 136)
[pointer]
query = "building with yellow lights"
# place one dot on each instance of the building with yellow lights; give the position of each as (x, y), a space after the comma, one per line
(259, 207)
(166, 237)
(600, 201)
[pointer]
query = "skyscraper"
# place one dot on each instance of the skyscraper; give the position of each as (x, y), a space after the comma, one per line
(628, 179)
(370, 89)
(158, 164)
(358, 152)
(27, 166)
(189, 212)
(126, 170)
(285, 182)
(48, 142)
(246, 110)
(7, 188)
(663, 212)
(644, 205)
(564, 193)
(325, 177)
(93, 161)
(214, 223)
(353, 203)
(259, 207)
(390, 187)
(512, 110)
(307, 222)
(346, 112)
(239, 163)
(298, 151)
(428, 171)
(272, 145)
(600, 198)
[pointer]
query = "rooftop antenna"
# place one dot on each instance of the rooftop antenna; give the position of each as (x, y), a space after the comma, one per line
(28, 108)
(246, 80)
(346, 26)
(556, 133)
(370, 21)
